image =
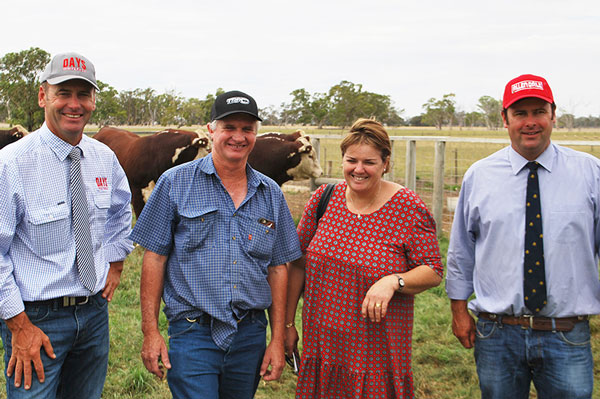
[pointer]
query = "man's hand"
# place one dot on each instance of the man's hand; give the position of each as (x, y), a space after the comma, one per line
(154, 351)
(463, 324)
(112, 280)
(27, 339)
(274, 356)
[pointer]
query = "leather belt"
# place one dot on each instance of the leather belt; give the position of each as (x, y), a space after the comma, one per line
(62, 302)
(536, 322)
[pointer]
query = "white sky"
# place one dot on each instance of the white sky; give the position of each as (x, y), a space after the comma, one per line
(409, 50)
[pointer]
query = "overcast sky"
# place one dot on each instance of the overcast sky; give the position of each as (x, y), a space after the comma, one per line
(409, 50)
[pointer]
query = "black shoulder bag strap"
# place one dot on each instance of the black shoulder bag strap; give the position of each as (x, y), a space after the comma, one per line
(324, 200)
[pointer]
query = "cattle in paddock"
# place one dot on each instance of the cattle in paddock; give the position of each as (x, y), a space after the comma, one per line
(145, 158)
(8, 136)
(285, 157)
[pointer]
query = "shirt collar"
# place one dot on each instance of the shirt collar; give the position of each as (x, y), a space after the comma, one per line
(546, 159)
(60, 147)
(207, 166)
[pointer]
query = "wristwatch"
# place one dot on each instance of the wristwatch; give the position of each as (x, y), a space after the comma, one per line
(400, 283)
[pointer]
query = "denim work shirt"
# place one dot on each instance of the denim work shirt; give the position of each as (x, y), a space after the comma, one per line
(486, 252)
(218, 256)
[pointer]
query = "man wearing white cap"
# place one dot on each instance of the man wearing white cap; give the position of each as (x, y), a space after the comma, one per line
(63, 237)
(525, 240)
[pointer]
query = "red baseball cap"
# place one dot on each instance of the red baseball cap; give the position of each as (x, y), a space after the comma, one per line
(526, 86)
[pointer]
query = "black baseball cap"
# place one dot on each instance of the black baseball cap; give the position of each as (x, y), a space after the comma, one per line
(233, 102)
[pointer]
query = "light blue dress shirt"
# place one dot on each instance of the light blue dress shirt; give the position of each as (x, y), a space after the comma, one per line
(37, 247)
(218, 256)
(486, 249)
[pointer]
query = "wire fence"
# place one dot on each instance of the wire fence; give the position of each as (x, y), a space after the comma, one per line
(432, 166)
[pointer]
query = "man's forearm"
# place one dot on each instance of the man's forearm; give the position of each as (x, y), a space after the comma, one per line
(151, 287)
(277, 279)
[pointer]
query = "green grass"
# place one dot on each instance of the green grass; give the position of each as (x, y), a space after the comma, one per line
(442, 368)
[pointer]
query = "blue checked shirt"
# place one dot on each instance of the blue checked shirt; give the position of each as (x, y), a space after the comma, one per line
(218, 256)
(486, 249)
(37, 247)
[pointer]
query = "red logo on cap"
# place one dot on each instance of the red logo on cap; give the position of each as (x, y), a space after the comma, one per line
(527, 85)
(74, 64)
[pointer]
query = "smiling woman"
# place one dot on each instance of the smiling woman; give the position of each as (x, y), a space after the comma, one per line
(373, 249)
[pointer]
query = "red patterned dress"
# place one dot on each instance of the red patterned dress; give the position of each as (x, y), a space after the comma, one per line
(345, 356)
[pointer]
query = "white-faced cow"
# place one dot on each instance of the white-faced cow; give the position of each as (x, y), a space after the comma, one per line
(8, 136)
(145, 158)
(285, 157)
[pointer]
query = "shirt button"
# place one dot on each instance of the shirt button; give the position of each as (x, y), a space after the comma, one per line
(235, 286)
(233, 238)
(235, 262)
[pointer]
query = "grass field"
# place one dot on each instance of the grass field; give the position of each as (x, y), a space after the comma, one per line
(442, 368)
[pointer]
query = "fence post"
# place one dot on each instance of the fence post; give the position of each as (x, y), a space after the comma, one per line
(390, 174)
(316, 143)
(438, 185)
(411, 165)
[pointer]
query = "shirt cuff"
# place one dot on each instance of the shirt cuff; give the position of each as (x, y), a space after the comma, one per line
(459, 289)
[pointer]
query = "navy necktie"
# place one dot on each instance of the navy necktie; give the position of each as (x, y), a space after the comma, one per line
(81, 224)
(535, 273)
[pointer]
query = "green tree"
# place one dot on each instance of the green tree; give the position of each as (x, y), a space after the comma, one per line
(474, 118)
(566, 120)
(108, 109)
(491, 109)
(439, 112)
(347, 101)
(19, 86)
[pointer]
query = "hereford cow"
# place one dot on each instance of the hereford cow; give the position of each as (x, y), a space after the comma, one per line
(285, 157)
(11, 135)
(145, 158)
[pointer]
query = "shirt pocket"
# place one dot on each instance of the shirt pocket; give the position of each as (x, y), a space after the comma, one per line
(198, 228)
(566, 227)
(261, 240)
(50, 228)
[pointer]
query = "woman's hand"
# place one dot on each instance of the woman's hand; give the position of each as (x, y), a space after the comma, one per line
(378, 297)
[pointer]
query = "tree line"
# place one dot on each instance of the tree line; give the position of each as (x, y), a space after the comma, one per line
(342, 104)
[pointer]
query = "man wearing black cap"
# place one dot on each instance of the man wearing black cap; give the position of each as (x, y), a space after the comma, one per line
(525, 240)
(217, 235)
(64, 222)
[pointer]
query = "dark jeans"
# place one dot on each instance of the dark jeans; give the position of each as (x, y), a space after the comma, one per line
(202, 370)
(508, 358)
(79, 336)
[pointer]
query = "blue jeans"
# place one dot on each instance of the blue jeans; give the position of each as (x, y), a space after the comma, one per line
(79, 337)
(200, 369)
(508, 358)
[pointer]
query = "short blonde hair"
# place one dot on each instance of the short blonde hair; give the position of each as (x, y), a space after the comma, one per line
(371, 132)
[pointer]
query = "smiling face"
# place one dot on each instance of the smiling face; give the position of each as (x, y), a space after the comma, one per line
(67, 107)
(363, 168)
(233, 138)
(529, 123)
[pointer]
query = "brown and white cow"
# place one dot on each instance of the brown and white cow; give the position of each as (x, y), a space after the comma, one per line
(285, 157)
(145, 158)
(8, 136)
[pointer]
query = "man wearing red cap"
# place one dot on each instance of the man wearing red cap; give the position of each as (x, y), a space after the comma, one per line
(525, 241)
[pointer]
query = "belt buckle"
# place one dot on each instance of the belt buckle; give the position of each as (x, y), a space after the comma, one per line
(72, 301)
(530, 318)
(87, 299)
